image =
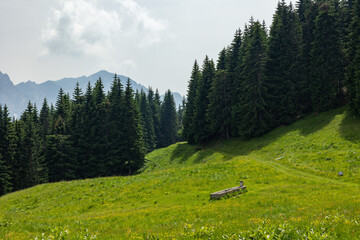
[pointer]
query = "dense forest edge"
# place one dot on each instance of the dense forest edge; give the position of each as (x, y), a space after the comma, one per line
(309, 61)
(92, 134)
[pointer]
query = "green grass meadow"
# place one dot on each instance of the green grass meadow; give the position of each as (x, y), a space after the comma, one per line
(291, 175)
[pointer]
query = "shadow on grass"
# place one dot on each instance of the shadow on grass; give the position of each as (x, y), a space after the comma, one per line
(184, 151)
(350, 128)
(236, 147)
(317, 121)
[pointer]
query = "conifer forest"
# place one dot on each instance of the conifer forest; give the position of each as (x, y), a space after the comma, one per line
(308, 61)
(88, 135)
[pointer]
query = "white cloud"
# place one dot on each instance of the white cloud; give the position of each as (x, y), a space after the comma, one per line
(99, 28)
(143, 22)
(129, 64)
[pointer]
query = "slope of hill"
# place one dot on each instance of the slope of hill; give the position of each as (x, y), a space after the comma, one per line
(17, 96)
(294, 191)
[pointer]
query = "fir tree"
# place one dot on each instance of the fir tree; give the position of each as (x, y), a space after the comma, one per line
(147, 123)
(232, 77)
(60, 158)
(255, 118)
(189, 115)
(117, 139)
(353, 58)
(76, 127)
(7, 143)
(5, 177)
(60, 113)
(31, 160)
(99, 129)
(86, 158)
(44, 120)
(220, 110)
(18, 166)
(203, 132)
(283, 70)
(326, 65)
(307, 11)
(6, 152)
(168, 123)
(155, 112)
(157, 115)
(134, 156)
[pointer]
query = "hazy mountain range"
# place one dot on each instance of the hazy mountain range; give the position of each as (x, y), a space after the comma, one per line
(16, 97)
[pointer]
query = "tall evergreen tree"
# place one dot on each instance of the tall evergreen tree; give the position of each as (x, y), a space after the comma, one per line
(168, 122)
(7, 143)
(326, 65)
(307, 11)
(76, 127)
(60, 158)
(147, 123)
(44, 120)
(283, 64)
(86, 158)
(31, 160)
(99, 129)
(6, 152)
(220, 110)
(134, 156)
(157, 115)
(232, 77)
(60, 116)
(155, 112)
(353, 59)
(255, 119)
(18, 166)
(189, 116)
(203, 132)
(117, 139)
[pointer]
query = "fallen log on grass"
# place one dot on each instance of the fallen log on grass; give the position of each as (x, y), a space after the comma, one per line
(230, 191)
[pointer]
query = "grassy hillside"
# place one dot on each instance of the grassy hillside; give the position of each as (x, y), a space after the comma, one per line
(290, 174)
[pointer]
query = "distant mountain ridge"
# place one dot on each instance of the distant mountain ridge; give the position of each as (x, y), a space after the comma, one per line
(17, 96)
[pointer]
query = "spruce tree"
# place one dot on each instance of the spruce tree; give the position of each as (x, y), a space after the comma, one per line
(117, 139)
(60, 158)
(255, 117)
(6, 152)
(283, 72)
(147, 123)
(86, 159)
(31, 159)
(168, 122)
(7, 143)
(326, 65)
(134, 156)
(232, 78)
(189, 115)
(307, 12)
(5, 177)
(76, 127)
(220, 110)
(60, 115)
(44, 120)
(353, 59)
(202, 129)
(18, 166)
(157, 115)
(155, 112)
(100, 130)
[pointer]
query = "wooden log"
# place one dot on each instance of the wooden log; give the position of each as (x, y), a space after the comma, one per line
(233, 190)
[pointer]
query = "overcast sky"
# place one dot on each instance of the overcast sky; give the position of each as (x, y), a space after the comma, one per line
(154, 42)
